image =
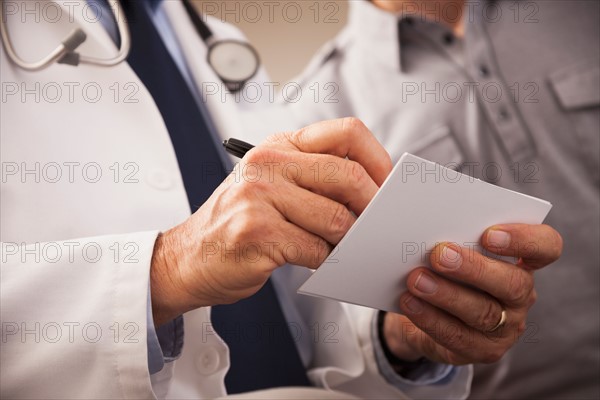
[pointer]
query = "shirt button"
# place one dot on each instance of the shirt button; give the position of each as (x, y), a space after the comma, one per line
(503, 115)
(484, 72)
(448, 38)
(159, 179)
(207, 362)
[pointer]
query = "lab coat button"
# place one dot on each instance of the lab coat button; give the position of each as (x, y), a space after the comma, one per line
(207, 362)
(159, 179)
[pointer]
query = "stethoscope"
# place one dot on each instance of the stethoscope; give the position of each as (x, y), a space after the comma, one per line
(235, 62)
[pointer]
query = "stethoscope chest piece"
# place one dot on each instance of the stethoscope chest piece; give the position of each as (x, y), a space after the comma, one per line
(234, 61)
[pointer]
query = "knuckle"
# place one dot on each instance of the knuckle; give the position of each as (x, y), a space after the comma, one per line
(453, 336)
(479, 265)
(341, 221)
(296, 137)
(277, 137)
(251, 189)
(321, 252)
(453, 298)
(428, 344)
(352, 124)
(490, 317)
(529, 250)
(357, 174)
(532, 298)
(256, 155)
(545, 249)
(520, 286)
(388, 163)
(261, 154)
(245, 226)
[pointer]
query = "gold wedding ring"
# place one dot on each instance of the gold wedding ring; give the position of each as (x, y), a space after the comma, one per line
(500, 323)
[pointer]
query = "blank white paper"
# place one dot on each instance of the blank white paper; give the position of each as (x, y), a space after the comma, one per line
(420, 204)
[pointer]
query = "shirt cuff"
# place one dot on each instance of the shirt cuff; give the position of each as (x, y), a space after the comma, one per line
(164, 343)
(428, 373)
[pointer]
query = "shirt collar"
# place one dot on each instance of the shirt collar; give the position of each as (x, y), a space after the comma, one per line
(376, 30)
(380, 33)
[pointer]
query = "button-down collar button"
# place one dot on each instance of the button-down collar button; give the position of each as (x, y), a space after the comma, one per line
(207, 362)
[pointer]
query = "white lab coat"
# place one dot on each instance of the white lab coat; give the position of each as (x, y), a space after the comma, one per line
(89, 178)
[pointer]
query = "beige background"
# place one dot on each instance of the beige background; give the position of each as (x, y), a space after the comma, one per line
(285, 33)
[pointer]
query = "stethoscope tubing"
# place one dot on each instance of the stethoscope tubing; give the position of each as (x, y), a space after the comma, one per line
(65, 52)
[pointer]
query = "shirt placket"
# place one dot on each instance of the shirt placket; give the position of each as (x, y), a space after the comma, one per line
(495, 97)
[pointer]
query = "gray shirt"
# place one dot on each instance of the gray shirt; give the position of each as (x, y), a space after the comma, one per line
(516, 103)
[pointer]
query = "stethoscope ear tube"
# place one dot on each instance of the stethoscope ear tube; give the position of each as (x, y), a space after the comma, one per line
(74, 40)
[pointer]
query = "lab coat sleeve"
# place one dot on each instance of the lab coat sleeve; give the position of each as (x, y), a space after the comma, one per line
(74, 318)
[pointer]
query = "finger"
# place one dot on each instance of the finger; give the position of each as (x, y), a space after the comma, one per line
(314, 213)
(461, 343)
(508, 283)
(474, 308)
(419, 342)
(536, 245)
(397, 334)
(299, 247)
(345, 137)
(342, 180)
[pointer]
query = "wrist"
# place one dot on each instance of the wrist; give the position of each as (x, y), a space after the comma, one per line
(167, 300)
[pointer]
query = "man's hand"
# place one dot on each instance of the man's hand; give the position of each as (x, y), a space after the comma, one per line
(288, 201)
(453, 313)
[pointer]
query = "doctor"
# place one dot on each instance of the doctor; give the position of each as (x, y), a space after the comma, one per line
(97, 161)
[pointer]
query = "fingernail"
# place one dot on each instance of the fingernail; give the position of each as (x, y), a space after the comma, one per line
(413, 304)
(498, 239)
(426, 284)
(450, 258)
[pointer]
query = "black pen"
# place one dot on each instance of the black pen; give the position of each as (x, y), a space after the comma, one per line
(237, 147)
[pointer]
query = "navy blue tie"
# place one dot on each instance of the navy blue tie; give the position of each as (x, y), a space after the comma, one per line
(197, 155)
(263, 352)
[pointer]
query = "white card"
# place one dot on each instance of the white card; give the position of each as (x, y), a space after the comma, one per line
(420, 204)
